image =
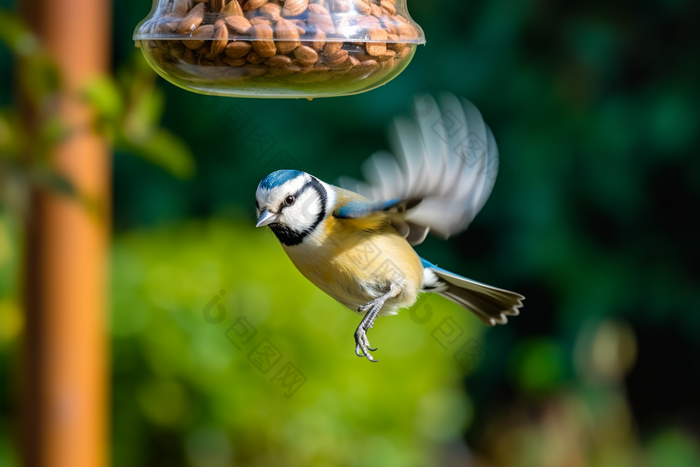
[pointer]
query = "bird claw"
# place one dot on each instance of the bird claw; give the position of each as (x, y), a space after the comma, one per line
(358, 352)
(362, 345)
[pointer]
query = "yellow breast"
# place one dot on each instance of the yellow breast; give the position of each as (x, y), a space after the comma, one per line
(355, 261)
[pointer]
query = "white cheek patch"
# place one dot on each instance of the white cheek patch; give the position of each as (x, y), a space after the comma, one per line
(304, 212)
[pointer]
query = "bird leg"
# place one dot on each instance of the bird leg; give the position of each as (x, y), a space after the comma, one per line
(371, 309)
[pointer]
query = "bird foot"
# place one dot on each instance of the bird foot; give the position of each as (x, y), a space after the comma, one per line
(368, 306)
(371, 309)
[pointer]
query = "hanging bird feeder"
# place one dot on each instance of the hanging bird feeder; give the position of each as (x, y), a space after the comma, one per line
(279, 48)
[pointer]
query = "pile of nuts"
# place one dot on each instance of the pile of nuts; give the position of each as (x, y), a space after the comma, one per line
(315, 40)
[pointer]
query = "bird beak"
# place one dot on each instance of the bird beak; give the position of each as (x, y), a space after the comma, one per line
(266, 218)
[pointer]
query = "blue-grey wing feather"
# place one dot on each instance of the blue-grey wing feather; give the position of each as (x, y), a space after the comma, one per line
(358, 209)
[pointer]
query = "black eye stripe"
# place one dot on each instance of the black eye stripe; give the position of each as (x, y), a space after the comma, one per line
(300, 191)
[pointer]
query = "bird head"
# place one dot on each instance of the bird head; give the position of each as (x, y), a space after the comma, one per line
(292, 204)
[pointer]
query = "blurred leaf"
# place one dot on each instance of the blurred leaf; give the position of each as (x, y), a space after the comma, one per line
(130, 110)
(165, 150)
(673, 122)
(9, 135)
(53, 130)
(53, 181)
(145, 110)
(537, 365)
(104, 95)
(15, 34)
(37, 73)
(674, 448)
(163, 401)
(40, 78)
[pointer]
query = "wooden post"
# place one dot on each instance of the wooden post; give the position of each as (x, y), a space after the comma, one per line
(65, 274)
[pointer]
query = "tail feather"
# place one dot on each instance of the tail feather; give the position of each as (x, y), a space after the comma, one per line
(490, 304)
(485, 305)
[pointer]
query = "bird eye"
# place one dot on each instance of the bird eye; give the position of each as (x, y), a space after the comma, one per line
(289, 200)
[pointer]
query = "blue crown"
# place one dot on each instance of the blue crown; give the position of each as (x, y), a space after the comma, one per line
(280, 177)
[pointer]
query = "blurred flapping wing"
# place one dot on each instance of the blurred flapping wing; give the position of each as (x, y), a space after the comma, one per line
(444, 170)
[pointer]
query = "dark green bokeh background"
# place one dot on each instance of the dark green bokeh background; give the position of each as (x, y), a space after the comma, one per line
(595, 108)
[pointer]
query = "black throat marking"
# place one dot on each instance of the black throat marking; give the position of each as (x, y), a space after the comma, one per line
(290, 237)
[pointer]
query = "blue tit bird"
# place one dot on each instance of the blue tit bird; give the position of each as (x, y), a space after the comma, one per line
(355, 242)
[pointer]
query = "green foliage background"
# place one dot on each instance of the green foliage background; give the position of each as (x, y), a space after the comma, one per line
(595, 109)
(196, 382)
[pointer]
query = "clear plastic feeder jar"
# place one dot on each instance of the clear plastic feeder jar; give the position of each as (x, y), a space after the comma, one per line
(279, 48)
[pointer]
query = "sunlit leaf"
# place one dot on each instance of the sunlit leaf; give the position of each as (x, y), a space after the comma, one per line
(104, 95)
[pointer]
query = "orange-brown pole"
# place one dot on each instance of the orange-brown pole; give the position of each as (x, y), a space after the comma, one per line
(65, 281)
